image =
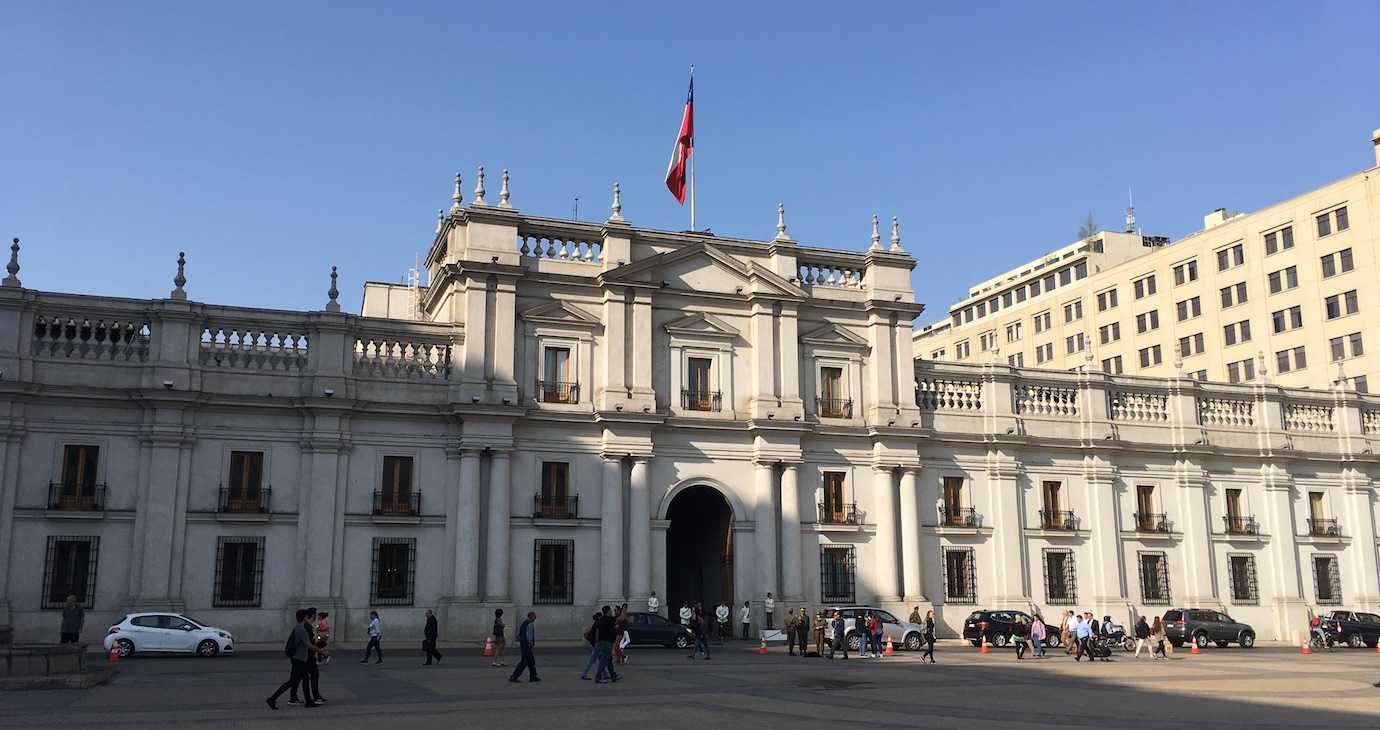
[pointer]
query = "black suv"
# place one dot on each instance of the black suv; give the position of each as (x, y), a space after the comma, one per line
(1000, 624)
(653, 628)
(1353, 627)
(1203, 625)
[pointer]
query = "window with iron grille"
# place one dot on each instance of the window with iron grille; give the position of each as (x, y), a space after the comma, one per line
(837, 573)
(1061, 578)
(1243, 585)
(393, 571)
(1327, 579)
(239, 572)
(1154, 578)
(960, 576)
(70, 570)
(553, 576)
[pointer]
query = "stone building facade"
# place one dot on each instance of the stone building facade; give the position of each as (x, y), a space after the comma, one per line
(575, 413)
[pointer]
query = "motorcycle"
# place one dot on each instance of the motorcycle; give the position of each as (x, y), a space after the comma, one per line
(1117, 636)
(1321, 636)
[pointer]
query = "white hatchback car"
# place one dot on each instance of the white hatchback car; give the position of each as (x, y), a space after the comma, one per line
(150, 632)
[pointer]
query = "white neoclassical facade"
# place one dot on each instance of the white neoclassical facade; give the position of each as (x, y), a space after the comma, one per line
(575, 413)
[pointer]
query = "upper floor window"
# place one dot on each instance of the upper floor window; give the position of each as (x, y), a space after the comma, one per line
(1339, 346)
(1233, 295)
(1191, 345)
(396, 495)
(1147, 321)
(833, 400)
(1006, 299)
(962, 350)
(699, 391)
(1291, 359)
(1284, 279)
(1280, 240)
(1073, 311)
(1340, 304)
(1333, 220)
(1112, 365)
(1109, 333)
(1237, 332)
(937, 354)
(1230, 257)
(1150, 356)
(1074, 343)
(1339, 262)
(1186, 272)
(1144, 287)
(558, 384)
(1287, 319)
(246, 483)
(1013, 331)
(555, 500)
(835, 510)
(1042, 321)
(1189, 308)
(1044, 353)
(1017, 360)
(987, 341)
(1241, 371)
(78, 489)
(1106, 300)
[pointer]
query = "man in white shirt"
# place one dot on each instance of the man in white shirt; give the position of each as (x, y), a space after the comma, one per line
(653, 603)
(686, 614)
(375, 633)
(769, 607)
(721, 613)
(746, 617)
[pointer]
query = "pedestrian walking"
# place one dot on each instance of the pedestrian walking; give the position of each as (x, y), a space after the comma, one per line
(73, 616)
(375, 636)
(722, 613)
(297, 647)
(687, 614)
(1084, 635)
(314, 657)
(1143, 637)
(1019, 632)
(429, 636)
(624, 636)
(527, 643)
(653, 603)
(820, 626)
(499, 642)
(840, 642)
(619, 628)
(1038, 632)
(1157, 640)
(323, 636)
(769, 609)
(1071, 642)
(802, 629)
(746, 619)
(1066, 632)
(864, 634)
(700, 625)
(604, 629)
(928, 637)
(877, 629)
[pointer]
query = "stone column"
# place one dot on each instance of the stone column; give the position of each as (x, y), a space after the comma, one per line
(640, 533)
(764, 513)
(791, 577)
(1195, 516)
(1008, 524)
(466, 586)
(888, 589)
(1290, 608)
(155, 540)
(1360, 524)
(496, 588)
(611, 533)
(1100, 480)
(911, 560)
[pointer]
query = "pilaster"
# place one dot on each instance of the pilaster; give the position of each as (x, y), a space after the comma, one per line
(1104, 489)
(498, 546)
(1194, 504)
(1008, 521)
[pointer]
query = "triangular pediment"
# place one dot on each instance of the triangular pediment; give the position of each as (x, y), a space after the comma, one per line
(703, 267)
(833, 335)
(560, 313)
(702, 325)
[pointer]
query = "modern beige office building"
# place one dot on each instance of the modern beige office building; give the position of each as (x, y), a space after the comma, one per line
(1286, 292)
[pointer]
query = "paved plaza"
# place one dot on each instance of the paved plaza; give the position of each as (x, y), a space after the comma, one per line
(1271, 686)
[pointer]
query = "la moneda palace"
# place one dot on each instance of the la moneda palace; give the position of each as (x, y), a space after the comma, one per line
(562, 414)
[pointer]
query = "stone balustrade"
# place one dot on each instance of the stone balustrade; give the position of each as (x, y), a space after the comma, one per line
(830, 274)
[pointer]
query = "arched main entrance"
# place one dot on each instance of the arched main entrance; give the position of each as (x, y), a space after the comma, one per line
(699, 550)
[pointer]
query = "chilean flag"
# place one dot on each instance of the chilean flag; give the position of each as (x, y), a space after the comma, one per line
(685, 146)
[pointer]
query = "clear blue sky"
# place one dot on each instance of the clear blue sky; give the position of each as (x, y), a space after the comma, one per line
(270, 143)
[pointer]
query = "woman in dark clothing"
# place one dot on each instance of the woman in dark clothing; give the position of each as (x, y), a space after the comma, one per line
(929, 637)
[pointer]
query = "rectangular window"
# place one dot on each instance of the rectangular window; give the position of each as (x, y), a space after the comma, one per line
(1006, 299)
(987, 341)
(392, 571)
(1073, 311)
(1112, 365)
(1360, 384)
(555, 501)
(558, 379)
(699, 390)
(1241, 371)
(1327, 579)
(968, 315)
(1049, 283)
(993, 305)
(1013, 332)
(1243, 584)
(1017, 360)
(1074, 343)
(1342, 222)
(837, 573)
(1189, 308)
(953, 499)
(1144, 287)
(962, 350)
(1150, 356)
(395, 494)
(1044, 353)
(1354, 340)
(78, 488)
(1290, 359)
(1154, 578)
(1065, 277)
(981, 309)
(1109, 333)
(1061, 584)
(834, 510)
(1233, 295)
(1198, 375)
(70, 570)
(1280, 240)
(833, 401)
(245, 484)
(1237, 332)
(1186, 272)
(960, 576)
(1147, 321)
(1080, 270)
(1020, 295)
(1284, 279)
(1042, 321)
(1191, 345)
(1106, 300)
(553, 572)
(1231, 257)
(1340, 304)
(1285, 320)
(239, 572)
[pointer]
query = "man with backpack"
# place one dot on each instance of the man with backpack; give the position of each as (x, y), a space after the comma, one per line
(298, 645)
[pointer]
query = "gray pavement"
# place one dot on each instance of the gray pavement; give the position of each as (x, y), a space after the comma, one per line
(1268, 687)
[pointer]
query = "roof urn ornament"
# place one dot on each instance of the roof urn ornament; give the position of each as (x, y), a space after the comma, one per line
(456, 198)
(13, 267)
(781, 234)
(180, 280)
(503, 192)
(895, 235)
(616, 209)
(440, 219)
(479, 187)
(334, 293)
(876, 237)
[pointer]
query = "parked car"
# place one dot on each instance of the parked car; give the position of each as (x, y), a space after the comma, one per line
(1203, 625)
(1000, 624)
(903, 634)
(1354, 628)
(652, 629)
(167, 632)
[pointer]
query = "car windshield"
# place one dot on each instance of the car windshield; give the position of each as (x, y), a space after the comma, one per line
(887, 618)
(975, 616)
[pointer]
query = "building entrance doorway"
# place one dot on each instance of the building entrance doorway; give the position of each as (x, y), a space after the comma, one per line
(699, 552)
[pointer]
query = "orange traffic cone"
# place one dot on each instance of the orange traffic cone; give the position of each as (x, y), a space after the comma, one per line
(488, 646)
(1377, 647)
(762, 648)
(114, 654)
(1195, 650)
(1306, 649)
(984, 649)
(889, 651)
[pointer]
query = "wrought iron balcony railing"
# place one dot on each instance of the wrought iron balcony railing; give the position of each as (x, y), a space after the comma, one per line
(701, 400)
(1152, 522)
(1324, 527)
(958, 517)
(835, 407)
(244, 500)
(398, 504)
(76, 497)
(1238, 525)
(556, 391)
(1060, 519)
(840, 514)
(556, 508)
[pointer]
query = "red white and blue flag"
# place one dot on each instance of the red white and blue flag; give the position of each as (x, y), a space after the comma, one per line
(677, 173)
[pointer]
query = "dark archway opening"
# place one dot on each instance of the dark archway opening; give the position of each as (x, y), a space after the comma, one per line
(699, 551)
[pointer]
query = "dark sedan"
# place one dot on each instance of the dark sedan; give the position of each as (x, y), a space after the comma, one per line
(1201, 625)
(651, 629)
(999, 627)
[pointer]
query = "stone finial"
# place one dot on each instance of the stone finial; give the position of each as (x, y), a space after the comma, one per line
(876, 237)
(895, 235)
(181, 279)
(440, 218)
(503, 192)
(1179, 359)
(334, 293)
(456, 198)
(616, 209)
(479, 187)
(781, 234)
(1261, 371)
(1341, 374)
(13, 267)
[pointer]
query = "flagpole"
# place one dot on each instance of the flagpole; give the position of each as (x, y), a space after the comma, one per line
(692, 161)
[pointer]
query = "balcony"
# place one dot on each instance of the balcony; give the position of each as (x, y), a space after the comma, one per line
(1152, 522)
(556, 391)
(1058, 520)
(958, 517)
(555, 508)
(244, 501)
(1238, 525)
(840, 514)
(834, 407)
(700, 400)
(1324, 527)
(391, 504)
(76, 497)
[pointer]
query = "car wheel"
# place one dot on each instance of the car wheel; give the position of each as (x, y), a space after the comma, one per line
(682, 642)
(1201, 640)
(1052, 642)
(1247, 640)
(207, 647)
(1128, 644)
(999, 641)
(853, 642)
(912, 642)
(124, 647)
(1354, 641)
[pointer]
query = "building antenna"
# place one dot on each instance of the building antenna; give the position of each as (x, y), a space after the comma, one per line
(1130, 213)
(575, 210)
